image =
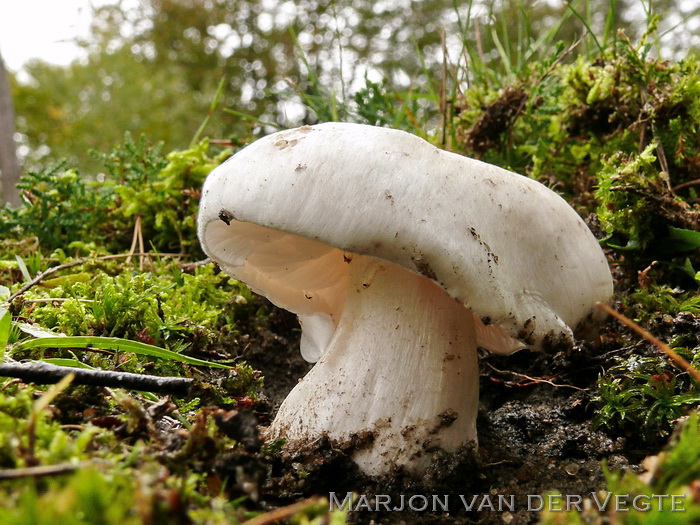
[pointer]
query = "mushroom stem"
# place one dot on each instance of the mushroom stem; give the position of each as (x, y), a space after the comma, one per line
(401, 364)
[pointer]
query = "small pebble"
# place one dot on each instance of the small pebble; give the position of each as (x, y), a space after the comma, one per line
(572, 469)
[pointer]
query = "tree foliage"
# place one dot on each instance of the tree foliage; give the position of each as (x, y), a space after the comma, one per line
(154, 69)
(9, 167)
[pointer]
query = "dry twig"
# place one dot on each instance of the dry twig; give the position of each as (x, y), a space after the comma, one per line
(37, 472)
(45, 373)
(283, 512)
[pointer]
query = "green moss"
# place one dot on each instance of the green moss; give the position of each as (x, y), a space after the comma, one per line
(88, 497)
(627, 211)
(245, 381)
(138, 473)
(61, 206)
(643, 397)
(161, 306)
(575, 125)
(167, 200)
(662, 299)
(28, 437)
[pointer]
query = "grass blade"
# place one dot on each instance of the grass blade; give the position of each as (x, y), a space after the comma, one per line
(73, 363)
(601, 50)
(112, 343)
(212, 107)
(252, 118)
(5, 327)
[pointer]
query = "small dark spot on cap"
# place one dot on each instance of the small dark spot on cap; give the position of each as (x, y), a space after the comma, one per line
(525, 334)
(424, 267)
(226, 216)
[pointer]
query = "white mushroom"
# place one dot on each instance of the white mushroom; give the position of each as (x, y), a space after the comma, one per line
(399, 259)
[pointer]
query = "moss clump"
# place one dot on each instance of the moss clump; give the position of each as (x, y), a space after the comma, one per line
(167, 200)
(161, 306)
(559, 121)
(61, 206)
(636, 204)
(642, 396)
(30, 437)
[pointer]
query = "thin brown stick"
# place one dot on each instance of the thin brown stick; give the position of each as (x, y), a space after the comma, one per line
(443, 89)
(688, 184)
(45, 274)
(679, 361)
(134, 238)
(479, 45)
(36, 472)
(283, 512)
(221, 142)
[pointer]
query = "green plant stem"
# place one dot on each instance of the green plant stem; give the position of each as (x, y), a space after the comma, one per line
(114, 344)
(212, 107)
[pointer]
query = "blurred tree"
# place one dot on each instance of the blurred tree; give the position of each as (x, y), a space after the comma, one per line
(154, 68)
(9, 167)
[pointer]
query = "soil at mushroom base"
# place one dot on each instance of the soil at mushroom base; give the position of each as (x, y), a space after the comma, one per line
(533, 439)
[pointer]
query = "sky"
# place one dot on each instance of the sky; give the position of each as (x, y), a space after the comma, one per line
(42, 28)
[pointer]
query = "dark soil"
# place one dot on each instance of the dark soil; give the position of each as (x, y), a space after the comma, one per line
(275, 352)
(534, 428)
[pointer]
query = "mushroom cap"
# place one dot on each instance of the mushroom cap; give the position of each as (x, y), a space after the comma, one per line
(285, 213)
